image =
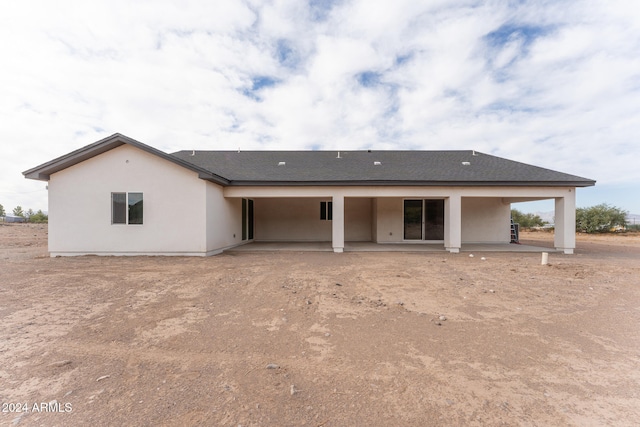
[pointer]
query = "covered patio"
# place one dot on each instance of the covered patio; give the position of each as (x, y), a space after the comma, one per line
(368, 219)
(387, 247)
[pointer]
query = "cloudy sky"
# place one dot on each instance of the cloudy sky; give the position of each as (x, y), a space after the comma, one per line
(552, 83)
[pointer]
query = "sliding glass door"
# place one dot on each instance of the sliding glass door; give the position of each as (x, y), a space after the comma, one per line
(424, 219)
(434, 220)
(413, 220)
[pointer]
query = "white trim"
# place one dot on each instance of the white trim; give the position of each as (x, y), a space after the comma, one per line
(186, 253)
(291, 241)
(70, 253)
(127, 206)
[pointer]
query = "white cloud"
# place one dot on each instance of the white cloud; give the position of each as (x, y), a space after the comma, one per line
(553, 83)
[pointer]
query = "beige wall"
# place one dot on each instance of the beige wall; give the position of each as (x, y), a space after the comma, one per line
(509, 194)
(290, 219)
(357, 219)
(374, 220)
(224, 220)
(390, 223)
(80, 206)
(298, 220)
(485, 220)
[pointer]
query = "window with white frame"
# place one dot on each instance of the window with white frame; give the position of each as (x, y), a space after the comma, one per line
(126, 208)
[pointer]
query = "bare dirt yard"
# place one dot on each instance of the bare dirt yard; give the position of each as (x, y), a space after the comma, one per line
(320, 339)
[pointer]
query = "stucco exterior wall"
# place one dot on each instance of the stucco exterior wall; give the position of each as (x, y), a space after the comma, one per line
(80, 206)
(374, 220)
(389, 224)
(224, 220)
(509, 194)
(298, 220)
(357, 219)
(290, 219)
(485, 220)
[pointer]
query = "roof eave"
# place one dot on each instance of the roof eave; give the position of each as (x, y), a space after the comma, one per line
(208, 176)
(43, 172)
(237, 183)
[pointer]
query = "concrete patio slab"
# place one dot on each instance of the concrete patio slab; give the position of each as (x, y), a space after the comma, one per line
(388, 247)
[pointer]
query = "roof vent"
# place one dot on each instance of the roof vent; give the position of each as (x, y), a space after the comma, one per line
(338, 156)
(377, 163)
(474, 153)
(282, 163)
(193, 152)
(466, 163)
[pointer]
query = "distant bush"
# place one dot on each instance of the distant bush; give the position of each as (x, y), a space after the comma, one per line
(38, 217)
(528, 220)
(600, 219)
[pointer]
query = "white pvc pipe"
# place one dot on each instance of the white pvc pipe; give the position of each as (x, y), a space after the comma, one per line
(545, 258)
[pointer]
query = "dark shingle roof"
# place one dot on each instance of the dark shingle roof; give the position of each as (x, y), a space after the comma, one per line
(358, 167)
(327, 168)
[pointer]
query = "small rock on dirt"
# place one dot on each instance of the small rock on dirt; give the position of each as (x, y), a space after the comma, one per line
(104, 377)
(17, 419)
(273, 366)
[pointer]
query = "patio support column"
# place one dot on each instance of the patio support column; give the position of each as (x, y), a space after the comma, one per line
(337, 224)
(565, 222)
(453, 223)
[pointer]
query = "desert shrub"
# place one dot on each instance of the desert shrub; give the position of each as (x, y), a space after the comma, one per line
(528, 220)
(38, 217)
(601, 218)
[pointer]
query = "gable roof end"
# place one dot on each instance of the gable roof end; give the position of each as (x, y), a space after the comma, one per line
(44, 171)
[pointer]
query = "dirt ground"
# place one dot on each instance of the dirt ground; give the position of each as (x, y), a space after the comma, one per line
(320, 339)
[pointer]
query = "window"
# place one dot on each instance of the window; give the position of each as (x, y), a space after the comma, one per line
(118, 208)
(126, 208)
(326, 211)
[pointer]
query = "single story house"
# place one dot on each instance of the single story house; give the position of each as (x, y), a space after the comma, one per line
(119, 196)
